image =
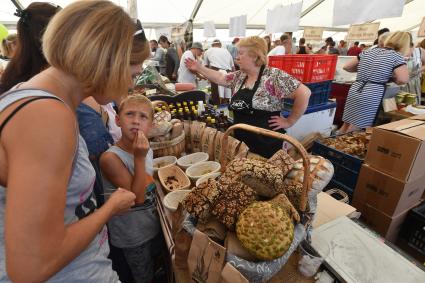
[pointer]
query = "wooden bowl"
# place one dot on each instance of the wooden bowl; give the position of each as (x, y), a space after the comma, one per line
(171, 200)
(162, 162)
(208, 176)
(172, 178)
(201, 169)
(188, 160)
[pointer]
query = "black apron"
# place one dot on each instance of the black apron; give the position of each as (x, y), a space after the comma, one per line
(243, 112)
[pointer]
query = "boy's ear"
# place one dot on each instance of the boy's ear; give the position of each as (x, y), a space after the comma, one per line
(117, 120)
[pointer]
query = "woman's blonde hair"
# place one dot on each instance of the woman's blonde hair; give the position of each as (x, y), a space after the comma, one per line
(257, 48)
(92, 40)
(399, 41)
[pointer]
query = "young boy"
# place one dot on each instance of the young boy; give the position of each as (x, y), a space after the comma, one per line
(129, 165)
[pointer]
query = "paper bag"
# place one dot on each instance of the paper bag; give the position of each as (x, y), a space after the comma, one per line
(232, 275)
(182, 237)
(206, 259)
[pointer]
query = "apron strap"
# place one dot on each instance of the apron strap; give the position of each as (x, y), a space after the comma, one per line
(257, 82)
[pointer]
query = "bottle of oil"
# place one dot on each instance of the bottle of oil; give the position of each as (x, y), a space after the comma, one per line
(213, 123)
(180, 114)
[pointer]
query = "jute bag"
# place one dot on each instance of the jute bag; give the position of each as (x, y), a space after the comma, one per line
(206, 259)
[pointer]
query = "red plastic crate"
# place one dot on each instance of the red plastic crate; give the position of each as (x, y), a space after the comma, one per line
(307, 68)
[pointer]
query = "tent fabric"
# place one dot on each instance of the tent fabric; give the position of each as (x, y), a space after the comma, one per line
(220, 11)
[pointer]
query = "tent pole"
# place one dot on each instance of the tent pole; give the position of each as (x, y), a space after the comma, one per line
(311, 8)
(196, 9)
(18, 4)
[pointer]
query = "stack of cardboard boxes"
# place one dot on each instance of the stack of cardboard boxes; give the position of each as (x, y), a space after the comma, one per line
(392, 179)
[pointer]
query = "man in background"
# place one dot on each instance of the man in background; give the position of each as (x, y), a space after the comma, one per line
(354, 50)
(285, 46)
(184, 74)
(234, 51)
(158, 55)
(221, 60)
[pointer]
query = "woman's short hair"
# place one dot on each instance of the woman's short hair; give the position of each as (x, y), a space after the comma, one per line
(92, 40)
(399, 41)
(257, 48)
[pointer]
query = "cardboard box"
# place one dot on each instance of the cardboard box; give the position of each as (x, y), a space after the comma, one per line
(398, 148)
(387, 226)
(329, 209)
(386, 193)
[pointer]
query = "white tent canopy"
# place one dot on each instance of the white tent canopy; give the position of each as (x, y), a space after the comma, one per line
(163, 13)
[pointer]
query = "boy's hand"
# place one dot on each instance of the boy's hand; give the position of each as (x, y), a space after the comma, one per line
(121, 201)
(140, 145)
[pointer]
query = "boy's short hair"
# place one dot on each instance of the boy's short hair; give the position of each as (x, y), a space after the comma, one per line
(139, 99)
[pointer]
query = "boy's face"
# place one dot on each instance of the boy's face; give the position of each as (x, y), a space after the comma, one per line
(133, 117)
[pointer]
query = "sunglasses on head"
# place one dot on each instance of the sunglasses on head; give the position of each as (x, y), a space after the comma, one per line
(140, 32)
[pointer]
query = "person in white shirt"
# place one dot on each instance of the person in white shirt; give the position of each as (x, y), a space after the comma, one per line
(184, 74)
(221, 60)
(285, 46)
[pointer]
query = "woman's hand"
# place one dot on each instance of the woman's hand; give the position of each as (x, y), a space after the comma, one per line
(278, 122)
(192, 65)
(121, 200)
(140, 145)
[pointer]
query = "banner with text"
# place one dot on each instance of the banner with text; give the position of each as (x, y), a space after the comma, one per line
(313, 34)
(365, 32)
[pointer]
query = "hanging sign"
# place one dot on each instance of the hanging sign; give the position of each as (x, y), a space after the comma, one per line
(365, 32)
(209, 29)
(291, 13)
(359, 11)
(421, 31)
(237, 26)
(313, 34)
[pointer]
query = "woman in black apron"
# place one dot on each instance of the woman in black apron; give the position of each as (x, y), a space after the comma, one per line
(258, 94)
(243, 112)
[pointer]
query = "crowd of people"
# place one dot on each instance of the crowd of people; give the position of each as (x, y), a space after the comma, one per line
(81, 157)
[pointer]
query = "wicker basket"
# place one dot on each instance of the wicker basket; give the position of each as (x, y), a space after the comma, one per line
(173, 147)
(264, 132)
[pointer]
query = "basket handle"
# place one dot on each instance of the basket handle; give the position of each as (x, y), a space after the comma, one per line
(272, 134)
(160, 103)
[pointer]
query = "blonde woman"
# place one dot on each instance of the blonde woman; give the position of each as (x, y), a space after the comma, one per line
(49, 227)
(375, 67)
(258, 93)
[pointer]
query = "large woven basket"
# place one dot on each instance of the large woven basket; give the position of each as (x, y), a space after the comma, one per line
(173, 147)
